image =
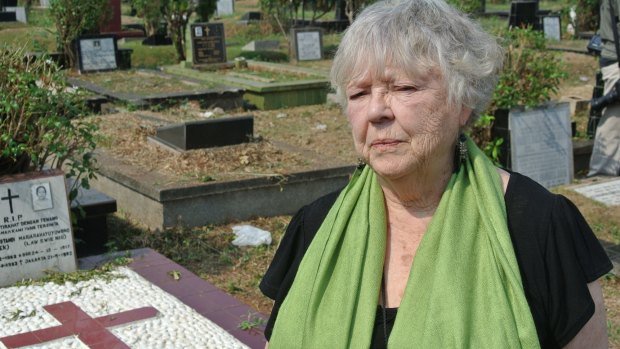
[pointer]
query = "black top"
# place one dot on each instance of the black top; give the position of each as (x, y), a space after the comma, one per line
(555, 248)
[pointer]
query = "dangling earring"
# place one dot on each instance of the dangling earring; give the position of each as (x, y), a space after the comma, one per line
(462, 148)
(360, 163)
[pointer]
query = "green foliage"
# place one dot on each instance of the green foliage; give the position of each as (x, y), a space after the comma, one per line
(251, 322)
(587, 15)
(41, 121)
(151, 12)
(205, 9)
(265, 56)
(468, 6)
(73, 18)
(481, 135)
(531, 75)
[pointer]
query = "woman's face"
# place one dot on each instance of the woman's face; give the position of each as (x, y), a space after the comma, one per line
(402, 125)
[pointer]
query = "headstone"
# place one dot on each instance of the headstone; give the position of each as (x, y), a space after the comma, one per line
(307, 44)
(524, 13)
(208, 43)
(20, 13)
(252, 16)
(207, 133)
(45, 3)
(262, 45)
(35, 227)
(552, 27)
(541, 144)
(9, 3)
(97, 53)
(225, 7)
(113, 23)
(8, 17)
(607, 193)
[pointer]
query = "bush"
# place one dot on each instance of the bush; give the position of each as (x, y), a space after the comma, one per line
(265, 56)
(41, 120)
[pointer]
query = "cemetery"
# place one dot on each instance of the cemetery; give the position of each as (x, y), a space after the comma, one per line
(179, 146)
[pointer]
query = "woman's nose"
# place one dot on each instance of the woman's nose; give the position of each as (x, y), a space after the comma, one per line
(379, 108)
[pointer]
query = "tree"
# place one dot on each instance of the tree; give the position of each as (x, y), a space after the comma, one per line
(73, 18)
(177, 14)
(151, 12)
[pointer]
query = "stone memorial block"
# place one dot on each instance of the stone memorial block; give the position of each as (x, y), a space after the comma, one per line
(20, 13)
(208, 43)
(524, 13)
(552, 27)
(113, 22)
(225, 7)
(252, 16)
(8, 17)
(35, 227)
(97, 53)
(261, 45)
(607, 193)
(44, 3)
(207, 133)
(307, 44)
(541, 144)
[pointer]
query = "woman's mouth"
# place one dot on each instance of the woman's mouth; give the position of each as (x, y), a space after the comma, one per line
(384, 144)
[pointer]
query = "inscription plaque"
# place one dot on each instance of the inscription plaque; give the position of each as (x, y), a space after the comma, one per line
(607, 193)
(541, 144)
(35, 227)
(308, 44)
(551, 27)
(208, 43)
(97, 53)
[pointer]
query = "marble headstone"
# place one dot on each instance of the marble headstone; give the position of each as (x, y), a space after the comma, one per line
(551, 27)
(97, 53)
(225, 7)
(607, 192)
(35, 226)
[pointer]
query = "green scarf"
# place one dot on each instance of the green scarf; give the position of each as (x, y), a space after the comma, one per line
(464, 289)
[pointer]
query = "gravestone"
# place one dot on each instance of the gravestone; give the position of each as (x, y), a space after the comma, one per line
(20, 13)
(206, 133)
(225, 7)
(208, 43)
(113, 23)
(306, 44)
(44, 3)
(261, 45)
(251, 17)
(8, 17)
(35, 227)
(552, 27)
(97, 53)
(607, 193)
(541, 144)
(524, 13)
(8, 3)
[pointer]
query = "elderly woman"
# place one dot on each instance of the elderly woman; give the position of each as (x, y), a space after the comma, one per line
(430, 245)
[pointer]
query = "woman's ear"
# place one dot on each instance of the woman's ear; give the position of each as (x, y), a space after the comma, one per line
(464, 116)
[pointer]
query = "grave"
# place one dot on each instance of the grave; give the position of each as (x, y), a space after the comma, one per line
(261, 45)
(552, 27)
(524, 13)
(168, 89)
(97, 53)
(20, 13)
(306, 44)
(537, 143)
(44, 3)
(206, 133)
(251, 17)
(8, 17)
(225, 7)
(35, 232)
(606, 191)
(288, 87)
(91, 208)
(208, 44)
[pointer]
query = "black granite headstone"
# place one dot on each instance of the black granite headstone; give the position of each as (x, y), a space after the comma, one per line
(208, 43)
(9, 3)
(8, 17)
(524, 13)
(207, 133)
(252, 16)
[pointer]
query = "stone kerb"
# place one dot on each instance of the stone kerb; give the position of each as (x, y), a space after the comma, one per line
(158, 201)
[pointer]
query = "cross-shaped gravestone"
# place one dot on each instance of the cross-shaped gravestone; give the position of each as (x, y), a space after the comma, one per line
(74, 321)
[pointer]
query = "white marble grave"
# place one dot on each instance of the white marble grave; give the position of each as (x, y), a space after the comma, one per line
(607, 192)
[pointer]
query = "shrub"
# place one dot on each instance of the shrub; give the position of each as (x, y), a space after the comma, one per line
(41, 120)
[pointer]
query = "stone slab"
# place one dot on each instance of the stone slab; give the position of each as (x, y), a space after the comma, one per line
(307, 44)
(261, 45)
(225, 7)
(607, 192)
(541, 144)
(35, 231)
(97, 53)
(20, 13)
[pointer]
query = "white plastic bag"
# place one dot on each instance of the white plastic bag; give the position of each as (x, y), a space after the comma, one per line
(248, 235)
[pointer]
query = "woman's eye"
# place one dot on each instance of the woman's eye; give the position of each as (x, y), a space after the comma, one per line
(356, 95)
(405, 88)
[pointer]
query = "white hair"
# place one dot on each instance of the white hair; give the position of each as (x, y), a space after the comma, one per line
(419, 36)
